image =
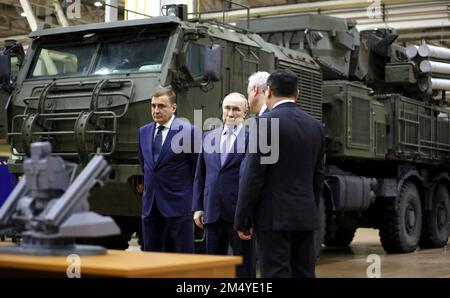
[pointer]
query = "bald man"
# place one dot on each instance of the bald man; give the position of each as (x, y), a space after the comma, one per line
(216, 184)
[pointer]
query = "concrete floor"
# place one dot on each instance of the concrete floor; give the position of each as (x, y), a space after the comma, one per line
(353, 261)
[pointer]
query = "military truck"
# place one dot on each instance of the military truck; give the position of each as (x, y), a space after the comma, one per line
(86, 89)
(386, 119)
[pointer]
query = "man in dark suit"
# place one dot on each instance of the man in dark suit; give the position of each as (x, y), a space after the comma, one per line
(257, 84)
(216, 184)
(280, 200)
(168, 177)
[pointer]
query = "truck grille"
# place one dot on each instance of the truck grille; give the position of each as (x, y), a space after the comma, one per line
(310, 87)
(360, 121)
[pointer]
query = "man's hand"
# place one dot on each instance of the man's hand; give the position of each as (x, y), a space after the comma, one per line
(245, 234)
(198, 219)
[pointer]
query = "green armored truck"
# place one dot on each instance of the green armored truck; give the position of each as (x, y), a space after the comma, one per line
(387, 127)
(86, 89)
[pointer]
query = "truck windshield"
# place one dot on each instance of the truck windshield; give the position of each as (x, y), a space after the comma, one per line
(114, 56)
(62, 61)
(133, 56)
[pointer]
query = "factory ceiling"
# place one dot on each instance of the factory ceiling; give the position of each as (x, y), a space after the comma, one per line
(416, 19)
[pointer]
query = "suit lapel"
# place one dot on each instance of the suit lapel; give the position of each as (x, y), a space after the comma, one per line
(239, 141)
(167, 142)
(218, 138)
(148, 138)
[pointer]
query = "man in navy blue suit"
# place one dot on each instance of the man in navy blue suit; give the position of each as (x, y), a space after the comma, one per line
(168, 177)
(279, 200)
(216, 184)
(257, 84)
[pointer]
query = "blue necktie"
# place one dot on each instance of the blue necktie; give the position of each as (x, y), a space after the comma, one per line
(157, 143)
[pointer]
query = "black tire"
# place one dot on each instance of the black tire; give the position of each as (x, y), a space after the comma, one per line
(319, 234)
(340, 231)
(402, 221)
(436, 227)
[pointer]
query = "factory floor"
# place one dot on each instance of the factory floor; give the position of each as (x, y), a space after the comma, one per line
(365, 256)
(364, 253)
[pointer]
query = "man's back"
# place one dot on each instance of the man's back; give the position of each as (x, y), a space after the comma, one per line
(290, 204)
(281, 196)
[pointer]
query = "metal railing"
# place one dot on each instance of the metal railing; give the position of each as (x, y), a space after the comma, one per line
(92, 124)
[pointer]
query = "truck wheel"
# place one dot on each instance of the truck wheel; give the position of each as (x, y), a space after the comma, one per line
(436, 227)
(340, 231)
(402, 222)
(320, 233)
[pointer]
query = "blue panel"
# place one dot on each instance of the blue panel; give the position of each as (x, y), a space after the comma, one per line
(7, 181)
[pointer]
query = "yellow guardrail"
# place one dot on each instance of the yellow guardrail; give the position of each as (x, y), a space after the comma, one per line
(5, 151)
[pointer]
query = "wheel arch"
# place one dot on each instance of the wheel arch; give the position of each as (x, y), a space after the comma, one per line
(414, 177)
(443, 178)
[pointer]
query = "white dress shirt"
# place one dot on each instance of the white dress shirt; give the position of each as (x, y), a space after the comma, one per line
(166, 129)
(282, 102)
(263, 108)
(235, 132)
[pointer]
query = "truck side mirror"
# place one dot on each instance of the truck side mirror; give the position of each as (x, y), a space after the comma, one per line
(202, 61)
(212, 62)
(5, 70)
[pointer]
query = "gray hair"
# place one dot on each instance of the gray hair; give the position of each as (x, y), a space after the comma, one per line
(259, 79)
(238, 96)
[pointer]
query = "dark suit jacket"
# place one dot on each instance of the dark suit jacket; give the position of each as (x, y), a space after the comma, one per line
(284, 196)
(216, 186)
(168, 181)
(244, 161)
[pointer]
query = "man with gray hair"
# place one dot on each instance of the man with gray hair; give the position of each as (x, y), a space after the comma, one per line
(255, 91)
(216, 184)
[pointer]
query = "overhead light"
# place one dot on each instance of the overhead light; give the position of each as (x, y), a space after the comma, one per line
(98, 4)
(23, 14)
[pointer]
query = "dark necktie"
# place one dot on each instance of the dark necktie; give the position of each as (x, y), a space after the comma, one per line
(157, 143)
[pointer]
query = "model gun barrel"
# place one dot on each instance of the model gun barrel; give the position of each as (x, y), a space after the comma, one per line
(94, 173)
